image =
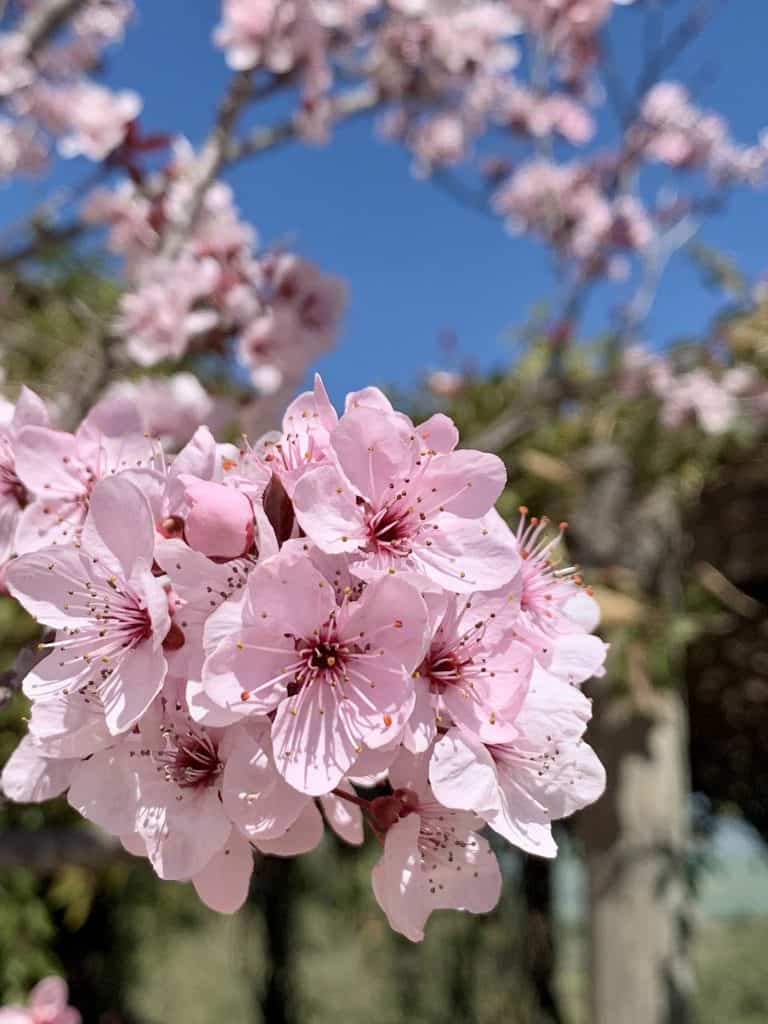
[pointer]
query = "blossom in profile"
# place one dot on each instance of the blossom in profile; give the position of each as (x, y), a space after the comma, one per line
(433, 857)
(519, 787)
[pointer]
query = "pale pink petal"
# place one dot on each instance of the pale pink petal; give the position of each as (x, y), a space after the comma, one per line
(438, 433)
(30, 777)
(134, 683)
(271, 595)
(114, 503)
(463, 774)
(326, 510)
(46, 462)
(48, 522)
(304, 835)
(373, 449)
(368, 398)
(469, 554)
(205, 711)
(397, 880)
(198, 456)
(103, 789)
(345, 818)
(223, 883)
(391, 617)
(181, 836)
(30, 410)
(41, 582)
(49, 995)
(316, 738)
(10, 515)
(470, 880)
(464, 483)
(583, 610)
(575, 657)
(69, 726)
(254, 795)
(422, 725)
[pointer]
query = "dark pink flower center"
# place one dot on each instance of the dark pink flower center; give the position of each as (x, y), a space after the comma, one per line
(453, 661)
(391, 529)
(190, 760)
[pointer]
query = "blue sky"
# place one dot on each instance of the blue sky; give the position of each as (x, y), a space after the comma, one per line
(418, 263)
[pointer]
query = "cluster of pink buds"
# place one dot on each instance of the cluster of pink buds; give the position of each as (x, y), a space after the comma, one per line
(330, 624)
(48, 1003)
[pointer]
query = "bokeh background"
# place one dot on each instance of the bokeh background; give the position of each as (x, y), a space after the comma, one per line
(663, 885)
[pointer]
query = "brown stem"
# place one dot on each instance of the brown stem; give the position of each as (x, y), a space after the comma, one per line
(351, 798)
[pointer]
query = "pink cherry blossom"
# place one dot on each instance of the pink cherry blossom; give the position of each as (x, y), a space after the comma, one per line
(92, 120)
(433, 858)
(521, 786)
(551, 605)
(249, 638)
(48, 1003)
(470, 676)
(304, 440)
(110, 612)
(60, 470)
(187, 795)
(403, 505)
(333, 673)
(160, 318)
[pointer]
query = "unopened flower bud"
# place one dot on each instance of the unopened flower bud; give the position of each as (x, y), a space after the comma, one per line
(220, 519)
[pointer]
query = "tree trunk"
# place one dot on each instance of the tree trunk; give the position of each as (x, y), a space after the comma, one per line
(540, 937)
(277, 893)
(636, 840)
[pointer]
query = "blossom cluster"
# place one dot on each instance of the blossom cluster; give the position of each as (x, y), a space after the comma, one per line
(672, 130)
(568, 206)
(332, 623)
(46, 92)
(48, 1003)
(714, 397)
(281, 310)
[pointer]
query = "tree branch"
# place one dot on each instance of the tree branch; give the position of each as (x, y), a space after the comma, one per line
(345, 106)
(42, 20)
(209, 162)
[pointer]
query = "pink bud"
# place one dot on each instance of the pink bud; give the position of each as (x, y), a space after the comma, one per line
(219, 521)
